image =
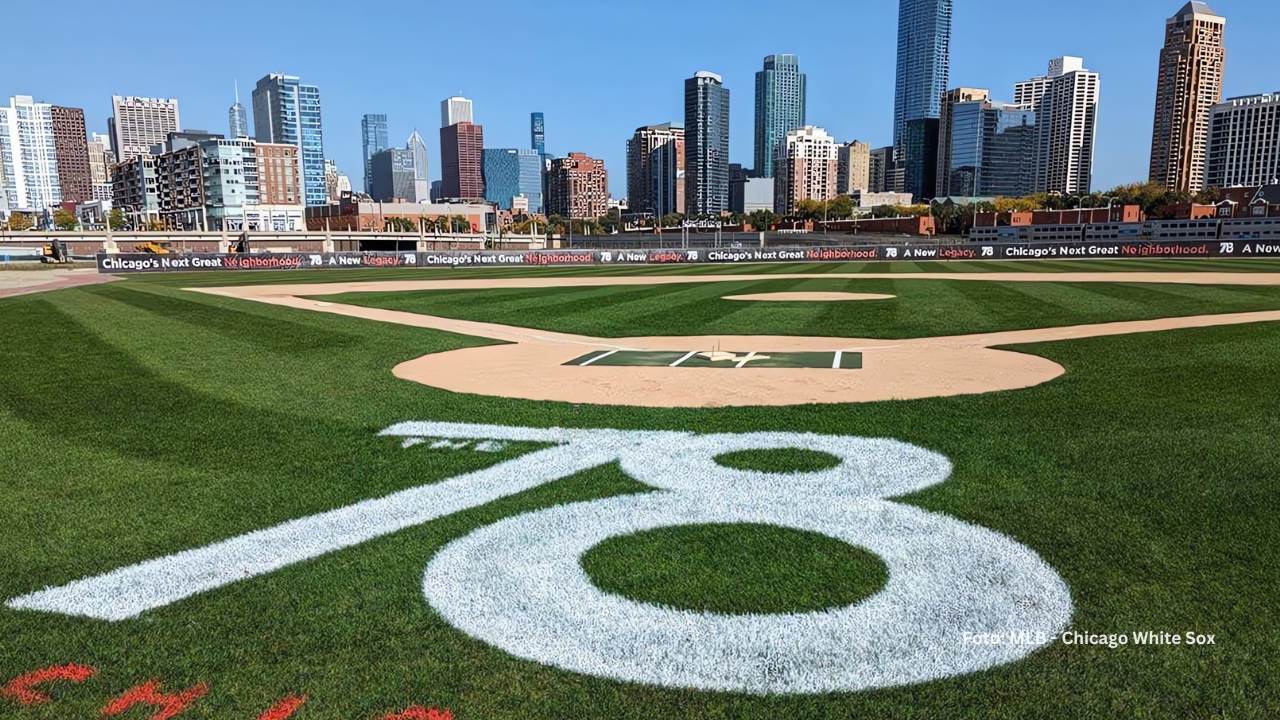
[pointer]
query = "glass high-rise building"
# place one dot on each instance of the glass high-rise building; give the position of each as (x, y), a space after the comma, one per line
(509, 172)
(373, 140)
(421, 181)
(392, 176)
(993, 150)
(538, 132)
(924, 67)
(237, 118)
(287, 111)
(706, 144)
(780, 107)
(924, 62)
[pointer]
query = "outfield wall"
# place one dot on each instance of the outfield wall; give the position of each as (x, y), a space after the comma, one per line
(1111, 250)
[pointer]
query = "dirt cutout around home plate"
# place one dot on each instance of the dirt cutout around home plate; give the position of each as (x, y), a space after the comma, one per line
(532, 365)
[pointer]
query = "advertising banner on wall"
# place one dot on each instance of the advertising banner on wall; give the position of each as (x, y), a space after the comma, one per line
(1114, 250)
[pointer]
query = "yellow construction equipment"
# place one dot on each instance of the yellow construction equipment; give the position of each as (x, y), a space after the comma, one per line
(153, 248)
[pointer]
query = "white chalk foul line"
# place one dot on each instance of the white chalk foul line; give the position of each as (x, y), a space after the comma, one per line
(682, 360)
(601, 356)
(835, 364)
(750, 356)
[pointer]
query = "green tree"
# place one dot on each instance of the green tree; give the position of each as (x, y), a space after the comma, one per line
(671, 220)
(1208, 196)
(841, 208)
(763, 219)
(64, 220)
(115, 219)
(19, 222)
(398, 224)
(809, 209)
(611, 222)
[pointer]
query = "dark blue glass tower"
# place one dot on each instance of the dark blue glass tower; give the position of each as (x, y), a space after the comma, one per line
(924, 67)
(538, 133)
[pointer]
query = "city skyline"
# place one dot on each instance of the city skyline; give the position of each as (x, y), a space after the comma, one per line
(594, 116)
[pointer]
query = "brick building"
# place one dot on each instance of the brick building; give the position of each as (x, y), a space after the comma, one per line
(578, 187)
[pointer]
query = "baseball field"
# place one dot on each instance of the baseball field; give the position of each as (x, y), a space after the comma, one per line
(1042, 489)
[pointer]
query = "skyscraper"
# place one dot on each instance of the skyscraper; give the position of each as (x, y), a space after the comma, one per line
(706, 145)
(512, 172)
(950, 99)
(392, 176)
(578, 187)
(1066, 105)
(780, 107)
(461, 161)
(373, 140)
(853, 171)
(923, 69)
(287, 111)
(101, 160)
(137, 123)
(992, 150)
(71, 146)
(237, 118)
(655, 170)
(1189, 84)
(1244, 141)
(335, 182)
(28, 155)
(454, 110)
(538, 132)
(880, 166)
(421, 180)
(924, 64)
(807, 163)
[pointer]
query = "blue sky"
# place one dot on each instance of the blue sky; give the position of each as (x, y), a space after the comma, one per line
(597, 69)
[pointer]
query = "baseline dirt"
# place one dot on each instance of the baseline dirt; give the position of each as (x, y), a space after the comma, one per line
(531, 366)
(26, 282)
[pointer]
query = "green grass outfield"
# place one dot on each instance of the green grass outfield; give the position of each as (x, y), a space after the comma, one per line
(138, 420)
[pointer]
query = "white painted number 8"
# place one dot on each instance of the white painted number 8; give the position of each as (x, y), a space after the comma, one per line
(519, 584)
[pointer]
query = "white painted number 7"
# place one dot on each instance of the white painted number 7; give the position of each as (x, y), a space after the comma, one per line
(518, 584)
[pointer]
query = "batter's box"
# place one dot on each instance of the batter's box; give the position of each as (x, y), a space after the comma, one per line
(832, 360)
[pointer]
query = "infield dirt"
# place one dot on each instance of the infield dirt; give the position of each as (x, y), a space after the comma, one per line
(532, 364)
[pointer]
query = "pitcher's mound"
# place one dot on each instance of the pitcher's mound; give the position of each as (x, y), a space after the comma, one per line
(808, 297)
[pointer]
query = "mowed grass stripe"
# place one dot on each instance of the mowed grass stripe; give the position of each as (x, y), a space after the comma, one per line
(235, 320)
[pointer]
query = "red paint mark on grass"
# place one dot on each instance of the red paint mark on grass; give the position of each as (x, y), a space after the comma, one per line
(417, 712)
(285, 708)
(167, 705)
(22, 689)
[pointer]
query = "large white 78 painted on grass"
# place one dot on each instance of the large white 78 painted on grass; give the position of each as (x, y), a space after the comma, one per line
(518, 584)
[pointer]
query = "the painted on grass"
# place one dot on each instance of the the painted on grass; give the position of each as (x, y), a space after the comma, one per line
(835, 360)
(148, 695)
(25, 689)
(164, 706)
(284, 709)
(518, 584)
